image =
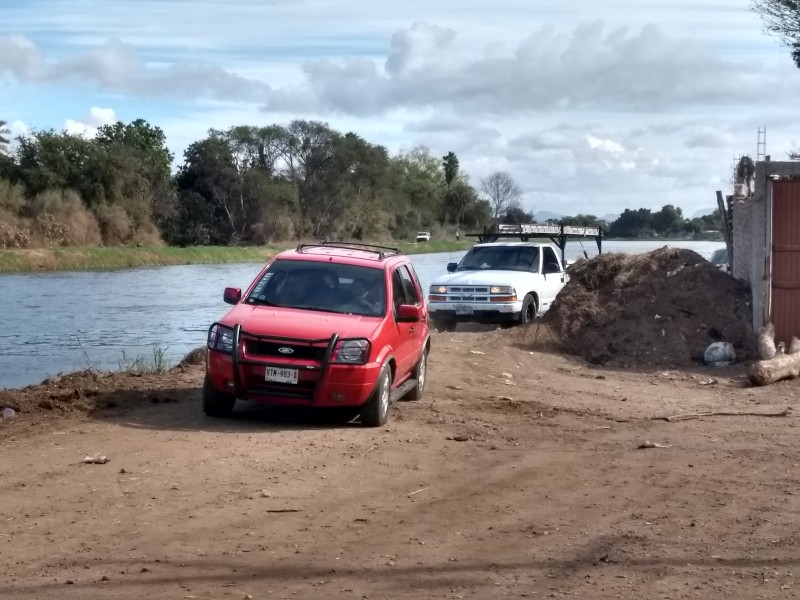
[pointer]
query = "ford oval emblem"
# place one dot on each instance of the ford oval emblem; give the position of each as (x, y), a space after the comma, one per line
(285, 350)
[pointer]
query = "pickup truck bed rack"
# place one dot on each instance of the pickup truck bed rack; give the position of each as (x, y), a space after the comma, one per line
(558, 234)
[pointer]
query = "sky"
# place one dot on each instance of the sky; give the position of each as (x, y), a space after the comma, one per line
(592, 107)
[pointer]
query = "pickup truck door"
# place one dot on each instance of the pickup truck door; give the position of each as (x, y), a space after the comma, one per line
(553, 278)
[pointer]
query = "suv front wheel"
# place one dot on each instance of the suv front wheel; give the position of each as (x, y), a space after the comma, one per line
(376, 411)
(216, 404)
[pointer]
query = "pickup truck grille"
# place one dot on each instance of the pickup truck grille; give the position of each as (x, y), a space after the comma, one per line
(468, 293)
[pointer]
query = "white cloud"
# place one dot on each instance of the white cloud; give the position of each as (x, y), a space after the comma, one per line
(89, 126)
(588, 115)
(117, 67)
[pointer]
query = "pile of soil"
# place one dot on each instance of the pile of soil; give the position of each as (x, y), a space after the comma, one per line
(661, 308)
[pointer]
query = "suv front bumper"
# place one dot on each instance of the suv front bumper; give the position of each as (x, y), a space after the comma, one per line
(320, 383)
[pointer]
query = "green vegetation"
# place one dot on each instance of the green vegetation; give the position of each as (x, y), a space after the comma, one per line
(146, 365)
(782, 18)
(52, 259)
(70, 202)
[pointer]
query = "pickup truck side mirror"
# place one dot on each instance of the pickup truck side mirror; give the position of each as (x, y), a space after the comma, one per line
(451, 267)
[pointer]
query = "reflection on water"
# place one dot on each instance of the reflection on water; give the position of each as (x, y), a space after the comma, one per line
(60, 322)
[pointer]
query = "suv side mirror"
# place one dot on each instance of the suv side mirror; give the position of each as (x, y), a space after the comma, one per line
(408, 313)
(232, 295)
(451, 267)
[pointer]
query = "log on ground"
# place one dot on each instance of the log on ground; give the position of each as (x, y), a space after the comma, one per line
(783, 366)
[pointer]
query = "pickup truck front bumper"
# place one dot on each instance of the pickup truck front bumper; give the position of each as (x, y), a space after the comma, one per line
(475, 312)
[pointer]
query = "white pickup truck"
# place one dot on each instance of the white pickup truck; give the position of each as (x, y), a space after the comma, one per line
(506, 283)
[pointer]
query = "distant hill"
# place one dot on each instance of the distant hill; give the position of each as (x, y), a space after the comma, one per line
(546, 215)
(703, 212)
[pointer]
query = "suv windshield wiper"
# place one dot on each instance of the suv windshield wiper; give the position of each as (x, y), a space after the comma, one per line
(252, 300)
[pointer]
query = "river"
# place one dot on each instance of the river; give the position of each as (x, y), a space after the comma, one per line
(72, 320)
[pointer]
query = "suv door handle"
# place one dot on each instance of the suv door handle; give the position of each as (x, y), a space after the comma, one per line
(412, 329)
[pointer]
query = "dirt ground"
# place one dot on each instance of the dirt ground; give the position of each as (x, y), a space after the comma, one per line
(519, 476)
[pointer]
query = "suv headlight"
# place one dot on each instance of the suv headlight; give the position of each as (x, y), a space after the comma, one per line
(502, 289)
(221, 338)
(438, 289)
(351, 352)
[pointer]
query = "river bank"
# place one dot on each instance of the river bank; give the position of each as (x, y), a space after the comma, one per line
(69, 259)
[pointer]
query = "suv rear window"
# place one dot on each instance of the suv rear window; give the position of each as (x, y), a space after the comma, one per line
(320, 286)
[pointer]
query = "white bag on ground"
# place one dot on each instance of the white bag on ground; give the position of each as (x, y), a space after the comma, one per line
(720, 354)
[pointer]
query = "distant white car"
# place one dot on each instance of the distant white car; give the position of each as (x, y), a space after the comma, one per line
(501, 282)
(423, 236)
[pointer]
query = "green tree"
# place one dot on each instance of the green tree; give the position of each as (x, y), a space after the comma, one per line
(4, 140)
(782, 18)
(632, 224)
(669, 220)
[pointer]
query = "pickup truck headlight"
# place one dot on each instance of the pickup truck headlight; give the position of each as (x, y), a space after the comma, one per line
(438, 289)
(221, 338)
(351, 352)
(502, 289)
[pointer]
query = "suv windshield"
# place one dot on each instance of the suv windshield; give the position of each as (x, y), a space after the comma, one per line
(327, 287)
(503, 258)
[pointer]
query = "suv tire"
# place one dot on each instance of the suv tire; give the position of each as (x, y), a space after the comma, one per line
(376, 411)
(216, 404)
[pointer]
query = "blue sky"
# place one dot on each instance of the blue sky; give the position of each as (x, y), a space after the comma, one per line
(591, 106)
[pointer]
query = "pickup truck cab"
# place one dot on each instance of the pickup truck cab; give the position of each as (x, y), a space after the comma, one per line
(501, 282)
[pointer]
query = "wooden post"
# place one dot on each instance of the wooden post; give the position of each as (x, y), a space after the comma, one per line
(726, 229)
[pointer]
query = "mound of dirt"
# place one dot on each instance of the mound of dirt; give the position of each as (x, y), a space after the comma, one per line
(661, 308)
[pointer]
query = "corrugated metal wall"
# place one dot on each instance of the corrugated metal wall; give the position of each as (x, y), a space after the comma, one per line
(785, 309)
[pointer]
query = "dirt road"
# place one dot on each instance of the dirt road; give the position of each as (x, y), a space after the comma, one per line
(520, 476)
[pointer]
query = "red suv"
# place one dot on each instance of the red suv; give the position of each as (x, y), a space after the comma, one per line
(325, 325)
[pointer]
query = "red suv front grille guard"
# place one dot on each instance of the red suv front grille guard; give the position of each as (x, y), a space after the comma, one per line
(237, 360)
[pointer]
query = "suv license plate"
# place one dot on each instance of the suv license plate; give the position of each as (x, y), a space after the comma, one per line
(281, 375)
(463, 309)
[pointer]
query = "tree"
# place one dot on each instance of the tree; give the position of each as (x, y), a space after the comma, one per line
(504, 194)
(668, 220)
(4, 141)
(517, 216)
(782, 18)
(452, 199)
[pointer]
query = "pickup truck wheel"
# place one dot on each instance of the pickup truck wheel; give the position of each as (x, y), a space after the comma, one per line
(421, 375)
(217, 404)
(444, 326)
(376, 411)
(529, 310)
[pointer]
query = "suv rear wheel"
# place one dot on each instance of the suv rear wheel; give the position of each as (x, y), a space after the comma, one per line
(376, 411)
(421, 375)
(216, 404)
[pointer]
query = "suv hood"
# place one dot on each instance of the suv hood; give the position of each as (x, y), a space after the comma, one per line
(297, 323)
(486, 277)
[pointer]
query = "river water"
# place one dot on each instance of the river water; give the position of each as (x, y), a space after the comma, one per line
(72, 320)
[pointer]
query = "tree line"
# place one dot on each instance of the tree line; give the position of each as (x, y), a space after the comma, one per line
(253, 185)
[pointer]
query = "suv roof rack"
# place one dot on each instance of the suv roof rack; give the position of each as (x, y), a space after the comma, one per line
(558, 234)
(381, 251)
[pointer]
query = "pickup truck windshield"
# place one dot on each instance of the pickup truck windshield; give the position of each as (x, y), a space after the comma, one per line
(502, 258)
(318, 286)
